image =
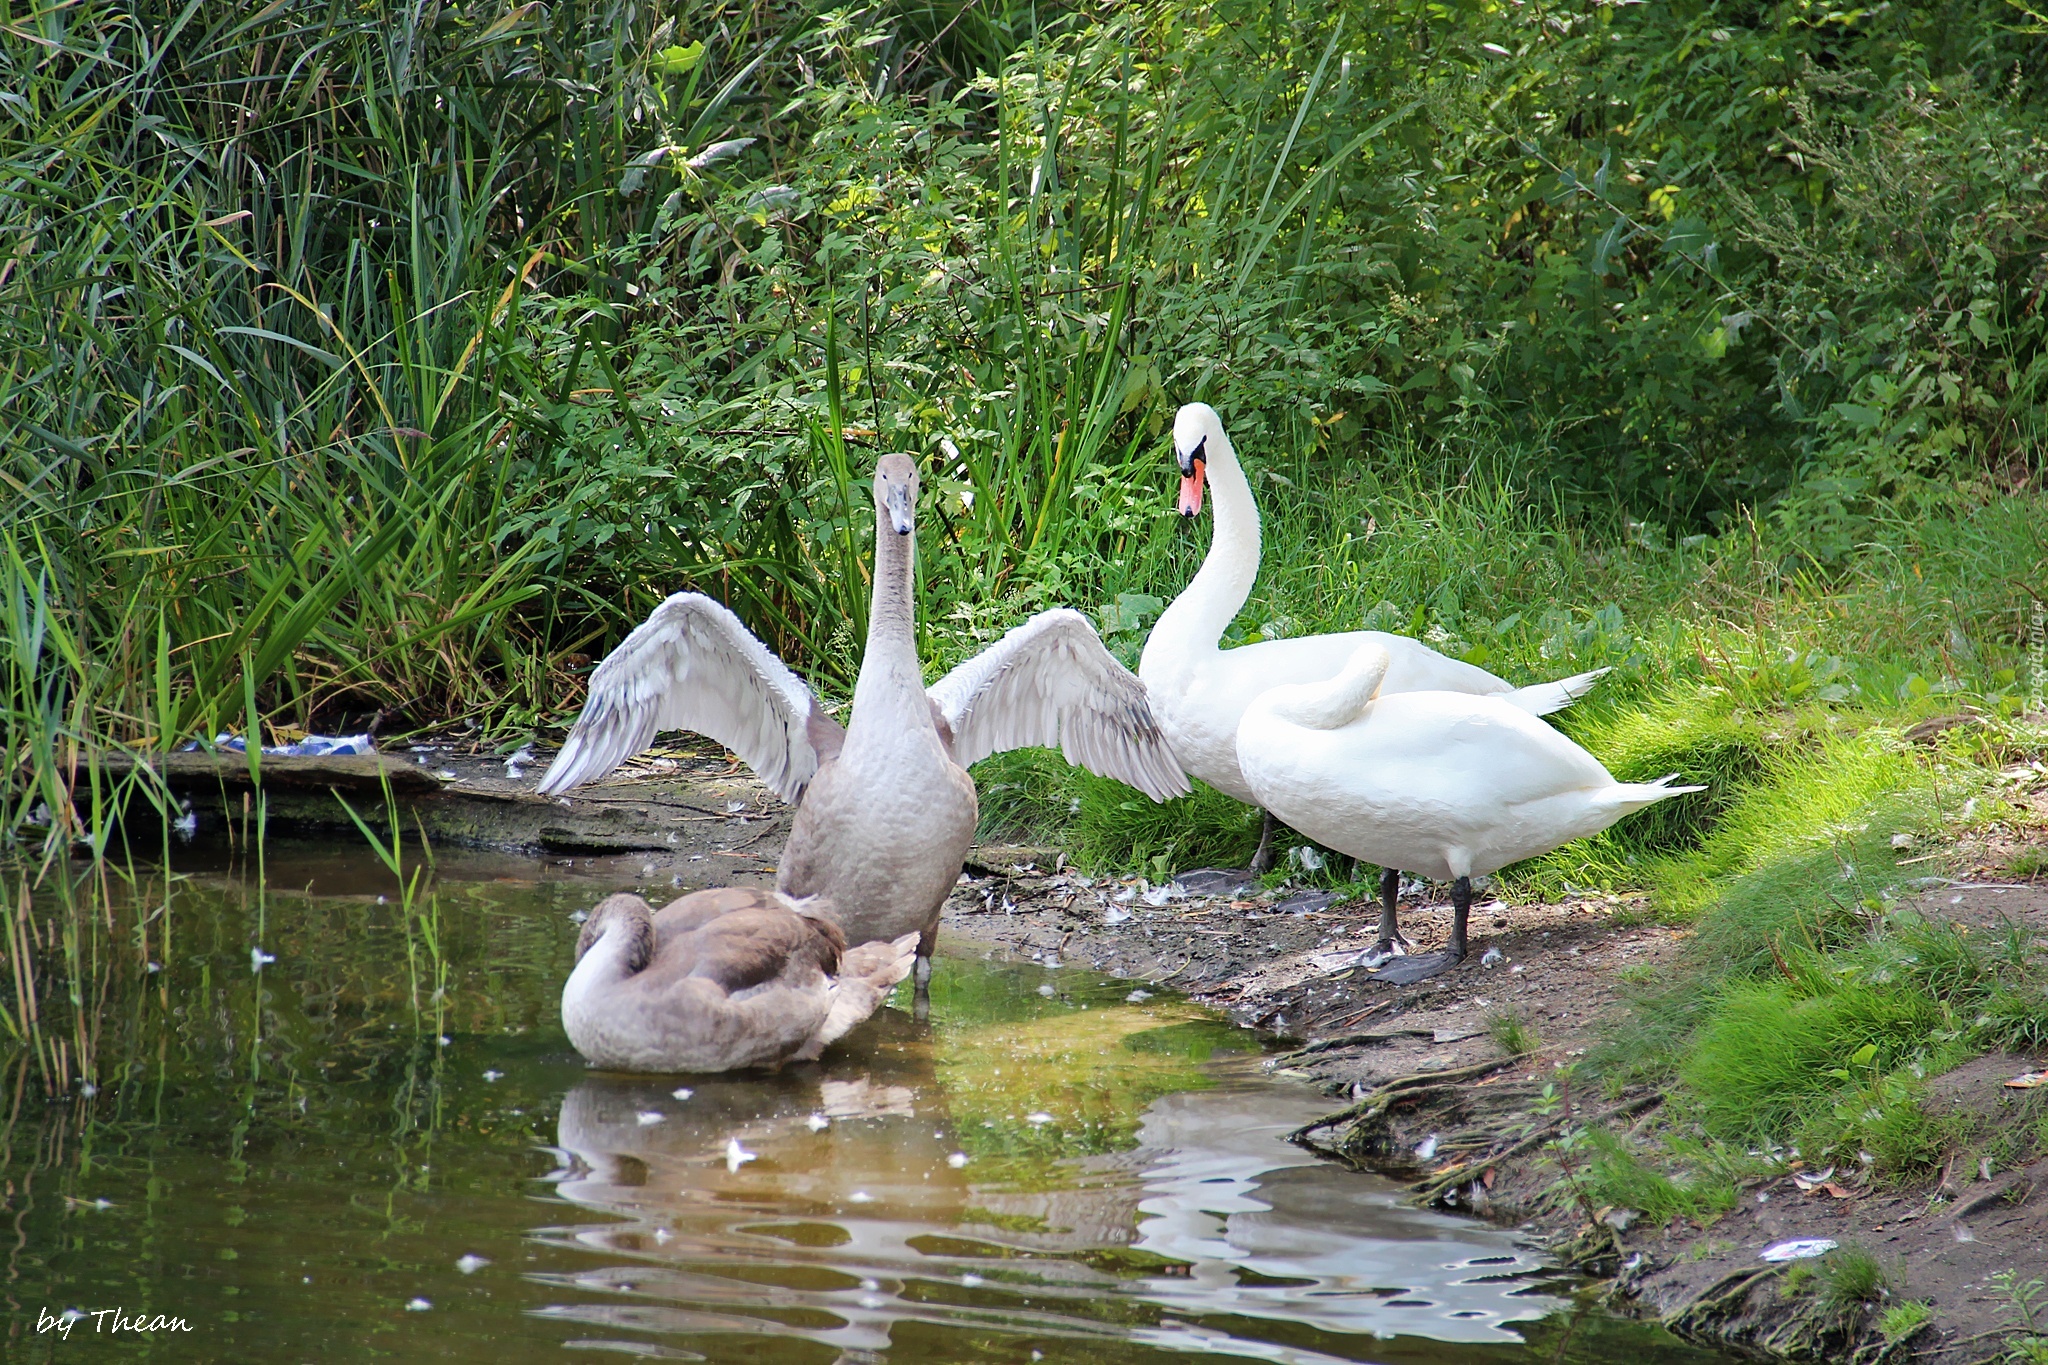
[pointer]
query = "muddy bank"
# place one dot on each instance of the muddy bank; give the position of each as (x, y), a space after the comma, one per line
(1422, 1089)
(691, 803)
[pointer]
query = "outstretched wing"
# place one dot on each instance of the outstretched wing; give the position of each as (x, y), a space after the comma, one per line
(691, 665)
(1051, 681)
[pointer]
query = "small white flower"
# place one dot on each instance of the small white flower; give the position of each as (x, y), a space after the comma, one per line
(682, 1092)
(493, 1075)
(418, 1306)
(818, 1123)
(471, 1263)
(257, 957)
(648, 1117)
(1039, 1117)
(957, 1160)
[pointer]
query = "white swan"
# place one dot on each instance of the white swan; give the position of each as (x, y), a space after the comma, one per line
(721, 979)
(1199, 690)
(1442, 784)
(885, 808)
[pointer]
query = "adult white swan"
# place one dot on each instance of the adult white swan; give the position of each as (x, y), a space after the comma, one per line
(1199, 690)
(885, 808)
(1441, 784)
(722, 979)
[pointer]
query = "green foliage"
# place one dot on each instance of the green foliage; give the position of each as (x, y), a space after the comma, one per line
(1116, 827)
(506, 300)
(2025, 1315)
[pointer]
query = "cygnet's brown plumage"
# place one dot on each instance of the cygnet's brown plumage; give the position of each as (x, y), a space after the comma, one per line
(719, 980)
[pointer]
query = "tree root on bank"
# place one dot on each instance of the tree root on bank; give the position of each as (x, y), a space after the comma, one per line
(1730, 1315)
(1403, 1090)
(1482, 1127)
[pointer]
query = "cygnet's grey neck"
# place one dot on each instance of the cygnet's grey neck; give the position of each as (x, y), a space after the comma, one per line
(891, 684)
(612, 957)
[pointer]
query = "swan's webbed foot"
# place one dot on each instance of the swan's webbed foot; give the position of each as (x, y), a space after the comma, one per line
(1406, 971)
(1386, 950)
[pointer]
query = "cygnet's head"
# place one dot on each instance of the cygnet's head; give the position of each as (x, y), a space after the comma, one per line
(1196, 431)
(631, 916)
(896, 491)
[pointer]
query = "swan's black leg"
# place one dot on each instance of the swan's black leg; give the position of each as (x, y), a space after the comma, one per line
(921, 976)
(1406, 971)
(1461, 911)
(1390, 926)
(1262, 859)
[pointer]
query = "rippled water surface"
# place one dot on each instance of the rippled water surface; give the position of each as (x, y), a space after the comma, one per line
(379, 1145)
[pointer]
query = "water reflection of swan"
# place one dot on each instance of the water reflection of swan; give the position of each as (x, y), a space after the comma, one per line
(841, 1234)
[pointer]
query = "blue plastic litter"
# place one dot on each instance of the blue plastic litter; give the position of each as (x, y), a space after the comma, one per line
(312, 746)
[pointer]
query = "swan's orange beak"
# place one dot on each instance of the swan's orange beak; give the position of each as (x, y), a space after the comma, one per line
(1191, 487)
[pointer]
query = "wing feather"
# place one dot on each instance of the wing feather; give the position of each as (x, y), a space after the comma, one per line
(1052, 682)
(691, 665)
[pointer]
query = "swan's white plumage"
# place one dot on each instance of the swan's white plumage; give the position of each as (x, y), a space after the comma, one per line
(1199, 691)
(1051, 682)
(1441, 784)
(691, 665)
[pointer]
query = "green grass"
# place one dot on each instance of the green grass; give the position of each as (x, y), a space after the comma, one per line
(1700, 1187)
(1512, 1034)
(1851, 1279)
(1902, 1320)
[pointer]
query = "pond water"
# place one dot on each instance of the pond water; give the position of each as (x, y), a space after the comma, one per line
(342, 1123)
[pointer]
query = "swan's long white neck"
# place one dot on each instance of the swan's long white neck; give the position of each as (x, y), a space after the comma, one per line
(1334, 704)
(890, 689)
(1192, 626)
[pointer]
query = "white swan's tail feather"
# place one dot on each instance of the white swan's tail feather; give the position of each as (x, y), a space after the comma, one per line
(1624, 797)
(866, 976)
(1540, 699)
